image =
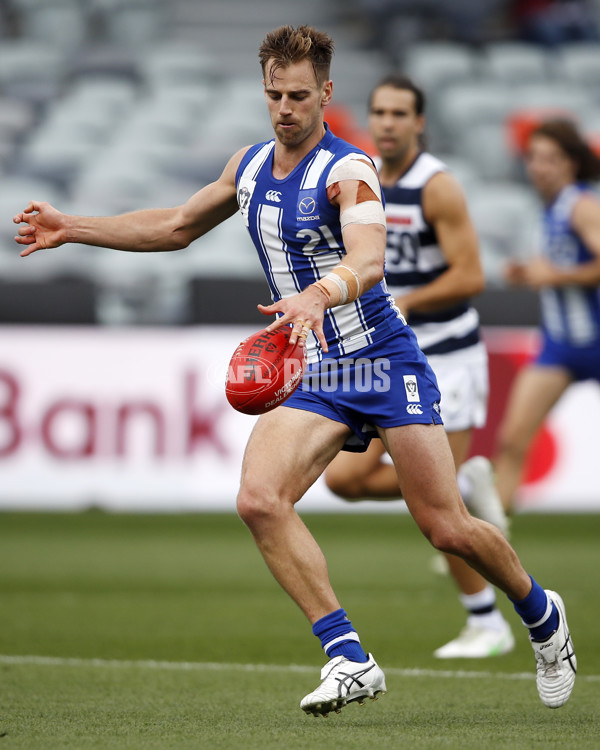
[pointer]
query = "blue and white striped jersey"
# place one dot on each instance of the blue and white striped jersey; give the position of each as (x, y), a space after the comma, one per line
(570, 314)
(414, 258)
(297, 234)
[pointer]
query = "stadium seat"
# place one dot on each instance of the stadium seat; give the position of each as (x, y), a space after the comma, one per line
(487, 147)
(192, 100)
(515, 62)
(63, 22)
(174, 64)
(435, 64)
(579, 63)
(569, 97)
(22, 60)
(105, 60)
(462, 106)
(103, 92)
(136, 23)
(16, 117)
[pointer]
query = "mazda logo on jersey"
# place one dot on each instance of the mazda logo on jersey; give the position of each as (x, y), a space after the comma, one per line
(307, 206)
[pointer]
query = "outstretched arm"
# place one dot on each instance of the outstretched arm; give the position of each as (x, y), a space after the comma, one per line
(150, 230)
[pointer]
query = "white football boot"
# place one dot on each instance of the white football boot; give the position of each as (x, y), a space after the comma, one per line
(484, 501)
(477, 642)
(344, 681)
(555, 660)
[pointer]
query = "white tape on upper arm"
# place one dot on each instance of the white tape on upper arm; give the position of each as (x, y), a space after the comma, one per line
(355, 169)
(367, 212)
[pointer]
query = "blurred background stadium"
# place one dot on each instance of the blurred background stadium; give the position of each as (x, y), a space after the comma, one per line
(112, 105)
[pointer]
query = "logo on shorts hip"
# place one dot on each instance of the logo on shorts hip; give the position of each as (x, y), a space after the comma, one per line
(414, 409)
(411, 388)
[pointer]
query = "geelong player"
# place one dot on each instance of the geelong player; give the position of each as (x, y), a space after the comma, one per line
(567, 275)
(312, 205)
(432, 268)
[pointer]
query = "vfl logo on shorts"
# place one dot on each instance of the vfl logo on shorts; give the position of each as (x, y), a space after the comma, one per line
(414, 409)
(411, 388)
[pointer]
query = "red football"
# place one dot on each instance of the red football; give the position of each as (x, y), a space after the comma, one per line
(264, 371)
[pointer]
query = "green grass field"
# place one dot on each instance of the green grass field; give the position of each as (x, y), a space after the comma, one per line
(169, 632)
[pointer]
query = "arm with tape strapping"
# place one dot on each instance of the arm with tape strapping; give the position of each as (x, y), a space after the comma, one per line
(354, 188)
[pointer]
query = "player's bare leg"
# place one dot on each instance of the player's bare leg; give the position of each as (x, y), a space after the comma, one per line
(425, 468)
(287, 451)
(486, 632)
(368, 475)
(534, 393)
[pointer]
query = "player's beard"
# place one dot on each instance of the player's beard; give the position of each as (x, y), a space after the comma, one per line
(290, 137)
(297, 135)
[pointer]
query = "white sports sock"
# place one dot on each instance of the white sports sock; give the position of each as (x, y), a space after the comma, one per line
(484, 598)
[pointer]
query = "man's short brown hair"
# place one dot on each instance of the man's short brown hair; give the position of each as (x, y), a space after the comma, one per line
(288, 45)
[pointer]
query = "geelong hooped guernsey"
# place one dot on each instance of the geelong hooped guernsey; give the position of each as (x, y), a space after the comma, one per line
(570, 314)
(297, 234)
(414, 258)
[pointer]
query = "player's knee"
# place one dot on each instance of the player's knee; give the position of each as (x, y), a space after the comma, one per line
(512, 445)
(447, 536)
(256, 505)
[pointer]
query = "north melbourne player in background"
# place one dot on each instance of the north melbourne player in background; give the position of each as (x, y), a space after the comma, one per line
(312, 205)
(560, 165)
(432, 268)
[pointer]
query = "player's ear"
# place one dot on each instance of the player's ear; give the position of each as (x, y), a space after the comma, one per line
(327, 93)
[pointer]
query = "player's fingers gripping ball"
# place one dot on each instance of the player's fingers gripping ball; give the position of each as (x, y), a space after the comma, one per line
(265, 370)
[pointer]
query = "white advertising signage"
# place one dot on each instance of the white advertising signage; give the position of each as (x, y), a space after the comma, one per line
(136, 419)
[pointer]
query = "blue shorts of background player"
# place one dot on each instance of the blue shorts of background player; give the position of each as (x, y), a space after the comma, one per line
(387, 384)
(582, 362)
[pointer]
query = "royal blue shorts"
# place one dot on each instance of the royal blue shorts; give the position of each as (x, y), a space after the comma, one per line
(582, 362)
(386, 384)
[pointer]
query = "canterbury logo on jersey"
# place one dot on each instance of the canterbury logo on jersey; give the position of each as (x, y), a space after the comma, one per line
(273, 195)
(414, 409)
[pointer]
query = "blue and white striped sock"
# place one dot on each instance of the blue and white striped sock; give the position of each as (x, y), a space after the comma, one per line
(338, 637)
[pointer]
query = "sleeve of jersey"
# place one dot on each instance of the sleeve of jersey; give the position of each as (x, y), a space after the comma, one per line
(368, 208)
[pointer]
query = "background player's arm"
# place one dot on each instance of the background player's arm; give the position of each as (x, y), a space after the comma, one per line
(444, 207)
(539, 272)
(150, 230)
